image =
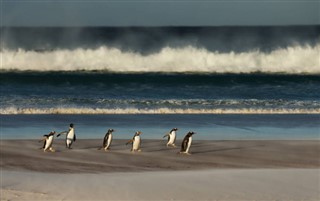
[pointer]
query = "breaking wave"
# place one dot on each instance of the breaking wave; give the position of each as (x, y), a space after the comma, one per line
(290, 60)
(75, 110)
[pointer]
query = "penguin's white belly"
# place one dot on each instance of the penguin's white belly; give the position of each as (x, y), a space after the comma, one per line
(189, 145)
(172, 138)
(109, 141)
(70, 135)
(48, 143)
(136, 143)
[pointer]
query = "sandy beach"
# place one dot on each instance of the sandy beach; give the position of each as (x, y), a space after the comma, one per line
(216, 170)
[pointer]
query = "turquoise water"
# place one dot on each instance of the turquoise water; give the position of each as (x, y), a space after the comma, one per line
(208, 127)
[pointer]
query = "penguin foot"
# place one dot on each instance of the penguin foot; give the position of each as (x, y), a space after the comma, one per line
(184, 153)
(171, 145)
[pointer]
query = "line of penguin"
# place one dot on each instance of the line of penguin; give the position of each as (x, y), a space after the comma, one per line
(107, 140)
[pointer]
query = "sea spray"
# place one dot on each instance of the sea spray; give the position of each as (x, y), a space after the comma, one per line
(292, 60)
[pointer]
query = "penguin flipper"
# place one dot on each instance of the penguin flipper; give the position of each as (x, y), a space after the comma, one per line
(74, 137)
(105, 139)
(184, 145)
(63, 132)
(166, 135)
(42, 139)
(130, 141)
(44, 143)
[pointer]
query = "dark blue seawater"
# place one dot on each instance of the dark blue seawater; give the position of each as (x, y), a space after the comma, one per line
(222, 82)
(107, 93)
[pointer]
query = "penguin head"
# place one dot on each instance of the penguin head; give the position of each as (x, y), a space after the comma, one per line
(138, 133)
(52, 133)
(111, 130)
(174, 129)
(191, 133)
(71, 125)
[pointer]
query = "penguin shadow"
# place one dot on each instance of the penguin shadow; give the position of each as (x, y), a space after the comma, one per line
(49, 152)
(224, 149)
(164, 149)
(99, 149)
(217, 150)
(159, 146)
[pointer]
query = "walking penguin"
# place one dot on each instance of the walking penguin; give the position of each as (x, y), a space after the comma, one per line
(136, 142)
(186, 143)
(48, 141)
(171, 137)
(70, 136)
(107, 139)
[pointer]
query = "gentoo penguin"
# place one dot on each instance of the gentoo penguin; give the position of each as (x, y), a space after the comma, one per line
(171, 137)
(70, 136)
(186, 143)
(136, 142)
(48, 140)
(107, 140)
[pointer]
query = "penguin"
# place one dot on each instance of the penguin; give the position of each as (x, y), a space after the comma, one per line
(107, 139)
(171, 137)
(48, 140)
(186, 143)
(136, 142)
(70, 136)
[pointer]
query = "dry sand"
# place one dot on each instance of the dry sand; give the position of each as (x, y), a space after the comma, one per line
(230, 184)
(217, 170)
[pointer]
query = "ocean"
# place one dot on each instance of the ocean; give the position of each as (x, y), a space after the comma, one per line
(225, 83)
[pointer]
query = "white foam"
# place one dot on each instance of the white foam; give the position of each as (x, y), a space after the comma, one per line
(292, 60)
(74, 110)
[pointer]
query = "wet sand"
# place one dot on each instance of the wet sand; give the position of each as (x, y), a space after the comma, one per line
(216, 170)
(155, 156)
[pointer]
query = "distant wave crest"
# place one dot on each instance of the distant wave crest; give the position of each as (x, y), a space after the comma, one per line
(75, 110)
(291, 60)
